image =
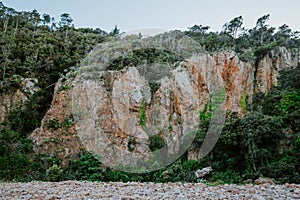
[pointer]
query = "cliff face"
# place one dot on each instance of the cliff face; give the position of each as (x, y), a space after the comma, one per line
(12, 99)
(124, 108)
(269, 66)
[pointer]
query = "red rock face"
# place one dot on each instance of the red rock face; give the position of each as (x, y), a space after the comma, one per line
(116, 102)
(268, 67)
(57, 136)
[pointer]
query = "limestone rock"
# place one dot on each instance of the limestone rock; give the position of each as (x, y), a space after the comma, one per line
(269, 66)
(29, 85)
(119, 106)
(200, 173)
(10, 100)
(263, 180)
(14, 98)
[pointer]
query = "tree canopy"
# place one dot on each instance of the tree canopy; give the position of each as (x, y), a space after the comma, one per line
(34, 45)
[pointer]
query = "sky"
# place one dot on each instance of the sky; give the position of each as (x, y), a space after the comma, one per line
(129, 15)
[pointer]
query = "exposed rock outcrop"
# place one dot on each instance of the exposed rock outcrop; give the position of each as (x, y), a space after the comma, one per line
(123, 107)
(11, 99)
(269, 66)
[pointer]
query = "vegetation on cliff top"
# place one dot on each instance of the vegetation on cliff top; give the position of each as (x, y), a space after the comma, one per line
(265, 142)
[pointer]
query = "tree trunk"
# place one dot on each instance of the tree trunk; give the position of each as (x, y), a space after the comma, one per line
(262, 38)
(5, 52)
(5, 24)
(66, 37)
(4, 68)
(34, 28)
(16, 29)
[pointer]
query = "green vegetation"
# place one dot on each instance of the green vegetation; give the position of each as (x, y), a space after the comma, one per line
(258, 137)
(54, 124)
(144, 56)
(154, 86)
(156, 142)
(143, 117)
(88, 167)
(131, 143)
(264, 142)
(34, 46)
(243, 101)
(250, 44)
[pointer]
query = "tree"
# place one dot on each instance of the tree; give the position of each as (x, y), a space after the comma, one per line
(13, 17)
(35, 20)
(261, 29)
(65, 23)
(234, 26)
(199, 29)
(284, 32)
(115, 31)
(99, 31)
(261, 22)
(53, 24)
(46, 19)
(6, 14)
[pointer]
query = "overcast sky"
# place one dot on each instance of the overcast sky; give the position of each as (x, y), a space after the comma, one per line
(167, 14)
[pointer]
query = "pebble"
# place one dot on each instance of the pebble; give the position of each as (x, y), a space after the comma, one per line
(136, 190)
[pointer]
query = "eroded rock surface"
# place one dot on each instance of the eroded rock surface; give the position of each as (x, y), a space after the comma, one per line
(15, 98)
(122, 108)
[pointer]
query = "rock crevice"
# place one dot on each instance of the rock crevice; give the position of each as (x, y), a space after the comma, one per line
(115, 101)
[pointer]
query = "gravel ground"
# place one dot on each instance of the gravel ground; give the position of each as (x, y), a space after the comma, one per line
(133, 190)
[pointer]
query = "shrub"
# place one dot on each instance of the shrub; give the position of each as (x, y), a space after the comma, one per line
(156, 142)
(143, 117)
(228, 177)
(88, 167)
(55, 173)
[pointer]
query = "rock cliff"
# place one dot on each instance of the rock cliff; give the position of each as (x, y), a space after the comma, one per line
(128, 105)
(11, 99)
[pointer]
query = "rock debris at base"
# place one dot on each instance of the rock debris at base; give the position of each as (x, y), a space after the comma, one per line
(134, 190)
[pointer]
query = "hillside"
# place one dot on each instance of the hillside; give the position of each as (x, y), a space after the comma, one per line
(59, 82)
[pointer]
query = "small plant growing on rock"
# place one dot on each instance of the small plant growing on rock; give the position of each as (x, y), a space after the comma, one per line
(131, 143)
(156, 142)
(143, 118)
(52, 124)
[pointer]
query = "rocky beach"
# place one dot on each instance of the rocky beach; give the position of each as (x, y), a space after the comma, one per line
(135, 190)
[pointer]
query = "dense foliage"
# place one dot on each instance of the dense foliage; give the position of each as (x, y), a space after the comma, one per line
(266, 138)
(145, 56)
(250, 44)
(34, 46)
(264, 142)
